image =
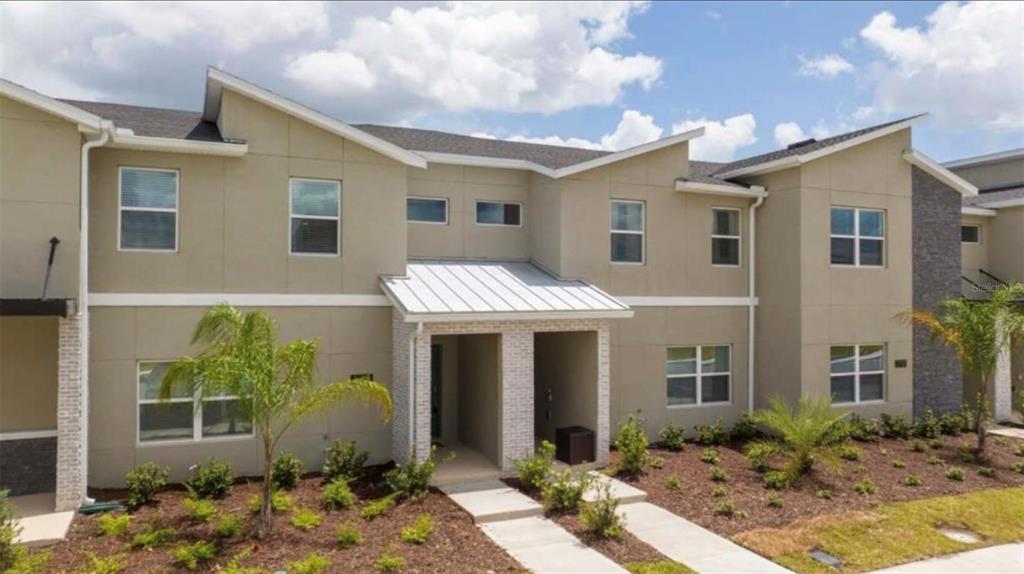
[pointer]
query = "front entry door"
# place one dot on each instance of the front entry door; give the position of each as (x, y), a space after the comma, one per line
(436, 371)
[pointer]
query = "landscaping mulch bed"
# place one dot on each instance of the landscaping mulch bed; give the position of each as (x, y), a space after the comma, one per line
(456, 544)
(746, 489)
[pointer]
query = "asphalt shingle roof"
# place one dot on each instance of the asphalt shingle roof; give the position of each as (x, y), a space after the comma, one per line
(700, 172)
(984, 198)
(154, 122)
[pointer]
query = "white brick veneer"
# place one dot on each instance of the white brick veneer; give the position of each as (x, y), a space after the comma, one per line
(517, 438)
(70, 419)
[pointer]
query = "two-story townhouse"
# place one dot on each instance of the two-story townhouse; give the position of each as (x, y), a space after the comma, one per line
(502, 290)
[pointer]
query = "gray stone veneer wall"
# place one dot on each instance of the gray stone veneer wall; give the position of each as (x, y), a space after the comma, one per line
(938, 383)
(28, 466)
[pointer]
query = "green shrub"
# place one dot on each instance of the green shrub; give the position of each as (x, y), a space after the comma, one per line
(712, 434)
(775, 501)
(143, 483)
(860, 469)
(199, 511)
(719, 491)
(710, 456)
(718, 474)
(191, 556)
(115, 525)
(966, 456)
(897, 463)
(311, 564)
(776, 480)
(745, 429)
(728, 509)
(895, 426)
(1017, 467)
(28, 562)
(378, 507)
(9, 530)
(865, 487)
(564, 492)
(849, 453)
(862, 430)
(337, 495)
(933, 460)
(412, 479)
(211, 479)
(918, 446)
(951, 423)
(935, 443)
(348, 536)
(672, 437)
(912, 480)
(344, 462)
(927, 425)
(104, 565)
(229, 525)
(805, 434)
(631, 442)
(533, 471)
(955, 473)
(280, 501)
(672, 483)
(286, 471)
(657, 462)
(759, 464)
(825, 494)
(987, 472)
(234, 566)
(388, 562)
(600, 517)
(306, 519)
(154, 538)
(419, 531)
(1019, 449)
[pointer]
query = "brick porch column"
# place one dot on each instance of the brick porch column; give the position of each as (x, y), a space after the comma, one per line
(516, 395)
(70, 415)
(603, 430)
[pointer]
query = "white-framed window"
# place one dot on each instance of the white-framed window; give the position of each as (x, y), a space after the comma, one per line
(725, 237)
(857, 373)
(503, 213)
(970, 234)
(627, 223)
(858, 237)
(184, 417)
(427, 210)
(698, 375)
(147, 216)
(315, 217)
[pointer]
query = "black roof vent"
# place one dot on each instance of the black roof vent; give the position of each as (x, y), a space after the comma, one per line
(801, 143)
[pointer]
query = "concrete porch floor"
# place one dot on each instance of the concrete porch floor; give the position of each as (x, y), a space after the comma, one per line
(39, 524)
(469, 465)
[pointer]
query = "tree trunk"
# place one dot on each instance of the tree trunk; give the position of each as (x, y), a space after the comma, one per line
(266, 510)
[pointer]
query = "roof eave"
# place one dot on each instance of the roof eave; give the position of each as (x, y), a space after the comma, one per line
(131, 141)
(485, 161)
(720, 189)
(978, 211)
(85, 120)
(985, 159)
(516, 316)
(1015, 202)
(934, 169)
(628, 153)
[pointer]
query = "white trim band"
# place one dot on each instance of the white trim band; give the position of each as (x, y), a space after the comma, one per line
(932, 168)
(515, 316)
(688, 301)
(237, 299)
(979, 211)
(27, 435)
(754, 191)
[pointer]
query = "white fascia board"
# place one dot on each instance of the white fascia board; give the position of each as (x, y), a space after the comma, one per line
(983, 159)
(628, 153)
(237, 299)
(1015, 202)
(688, 301)
(713, 189)
(979, 211)
(795, 160)
(32, 98)
(484, 161)
(516, 316)
(940, 173)
(216, 80)
(131, 141)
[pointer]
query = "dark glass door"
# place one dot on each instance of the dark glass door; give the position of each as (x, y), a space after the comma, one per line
(436, 371)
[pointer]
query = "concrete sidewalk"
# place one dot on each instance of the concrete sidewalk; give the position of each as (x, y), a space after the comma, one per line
(1004, 559)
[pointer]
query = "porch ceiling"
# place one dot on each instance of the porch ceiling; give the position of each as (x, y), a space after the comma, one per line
(440, 290)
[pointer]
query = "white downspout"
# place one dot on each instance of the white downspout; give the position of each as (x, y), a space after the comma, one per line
(83, 293)
(751, 297)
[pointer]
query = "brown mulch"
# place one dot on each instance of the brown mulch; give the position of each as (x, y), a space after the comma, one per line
(456, 544)
(746, 487)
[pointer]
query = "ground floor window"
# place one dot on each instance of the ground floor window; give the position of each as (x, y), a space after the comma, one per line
(698, 375)
(857, 373)
(185, 416)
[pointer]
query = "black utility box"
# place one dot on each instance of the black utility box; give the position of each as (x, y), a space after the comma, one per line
(574, 445)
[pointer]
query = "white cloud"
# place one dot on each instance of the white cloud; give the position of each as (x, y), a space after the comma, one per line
(788, 132)
(721, 139)
(713, 15)
(634, 129)
(966, 66)
(827, 66)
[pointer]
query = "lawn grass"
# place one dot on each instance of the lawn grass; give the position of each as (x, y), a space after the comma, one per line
(895, 533)
(665, 567)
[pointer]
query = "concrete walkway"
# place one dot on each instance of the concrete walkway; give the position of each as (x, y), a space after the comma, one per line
(492, 500)
(542, 547)
(39, 524)
(1004, 559)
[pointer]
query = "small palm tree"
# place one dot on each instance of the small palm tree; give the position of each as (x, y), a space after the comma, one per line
(274, 383)
(809, 433)
(979, 331)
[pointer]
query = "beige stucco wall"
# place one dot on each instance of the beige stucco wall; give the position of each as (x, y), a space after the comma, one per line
(28, 374)
(996, 174)
(1006, 254)
(546, 231)
(353, 341)
(234, 213)
(974, 256)
(39, 192)
(566, 365)
(479, 365)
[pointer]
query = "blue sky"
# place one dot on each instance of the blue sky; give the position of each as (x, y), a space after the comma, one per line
(758, 74)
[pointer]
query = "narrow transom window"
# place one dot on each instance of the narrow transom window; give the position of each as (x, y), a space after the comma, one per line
(725, 237)
(499, 213)
(858, 237)
(970, 234)
(426, 210)
(627, 231)
(148, 212)
(857, 373)
(698, 382)
(315, 217)
(185, 417)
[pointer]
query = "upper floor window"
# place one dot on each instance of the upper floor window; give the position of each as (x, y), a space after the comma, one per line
(185, 416)
(148, 209)
(857, 373)
(858, 237)
(698, 375)
(970, 234)
(499, 213)
(627, 231)
(315, 217)
(725, 237)
(426, 210)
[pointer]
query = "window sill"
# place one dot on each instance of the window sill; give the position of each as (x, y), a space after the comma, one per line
(194, 442)
(860, 404)
(320, 255)
(727, 266)
(139, 250)
(427, 222)
(701, 405)
(628, 263)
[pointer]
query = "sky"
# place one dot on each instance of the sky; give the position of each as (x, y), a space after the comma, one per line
(608, 75)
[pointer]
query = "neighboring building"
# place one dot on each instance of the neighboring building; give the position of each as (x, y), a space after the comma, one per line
(500, 289)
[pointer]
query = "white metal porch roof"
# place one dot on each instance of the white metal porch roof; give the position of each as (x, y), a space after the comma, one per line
(494, 290)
